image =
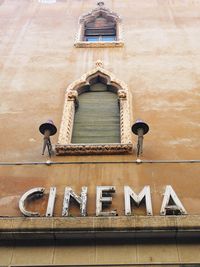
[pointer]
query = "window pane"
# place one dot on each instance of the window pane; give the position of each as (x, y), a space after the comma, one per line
(108, 38)
(92, 38)
(103, 31)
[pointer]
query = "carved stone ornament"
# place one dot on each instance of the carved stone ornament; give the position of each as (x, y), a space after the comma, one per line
(64, 146)
(72, 95)
(122, 94)
(87, 149)
(92, 15)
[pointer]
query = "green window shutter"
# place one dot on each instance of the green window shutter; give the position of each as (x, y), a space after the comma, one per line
(97, 119)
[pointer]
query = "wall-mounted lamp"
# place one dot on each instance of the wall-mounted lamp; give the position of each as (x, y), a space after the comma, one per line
(47, 129)
(140, 128)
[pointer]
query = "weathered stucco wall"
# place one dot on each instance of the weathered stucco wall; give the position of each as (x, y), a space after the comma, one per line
(160, 64)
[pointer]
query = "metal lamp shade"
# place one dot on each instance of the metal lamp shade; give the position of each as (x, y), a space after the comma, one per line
(49, 125)
(139, 124)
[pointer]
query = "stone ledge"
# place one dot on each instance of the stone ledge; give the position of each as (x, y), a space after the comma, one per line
(99, 227)
(99, 44)
(93, 149)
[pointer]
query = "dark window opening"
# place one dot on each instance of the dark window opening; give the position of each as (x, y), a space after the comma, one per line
(100, 29)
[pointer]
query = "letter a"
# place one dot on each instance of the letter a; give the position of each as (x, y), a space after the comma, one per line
(174, 208)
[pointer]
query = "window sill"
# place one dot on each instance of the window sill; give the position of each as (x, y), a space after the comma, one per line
(93, 149)
(99, 44)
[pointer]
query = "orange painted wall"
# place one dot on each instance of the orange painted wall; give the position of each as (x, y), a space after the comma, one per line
(160, 64)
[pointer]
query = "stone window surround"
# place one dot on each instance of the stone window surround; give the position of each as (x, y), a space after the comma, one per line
(65, 147)
(93, 14)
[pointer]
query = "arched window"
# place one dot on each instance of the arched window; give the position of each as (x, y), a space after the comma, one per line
(96, 118)
(99, 28)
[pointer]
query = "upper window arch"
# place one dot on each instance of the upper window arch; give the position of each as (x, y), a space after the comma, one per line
(99, 28)
(97, 93)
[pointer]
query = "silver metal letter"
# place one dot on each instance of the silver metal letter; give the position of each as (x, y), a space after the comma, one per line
(171, 209)
(51, 202)
(81, 200)
(103, 198)
(130, 194)
(34, 193)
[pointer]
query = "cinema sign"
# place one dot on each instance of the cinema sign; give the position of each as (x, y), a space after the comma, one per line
(171, 204)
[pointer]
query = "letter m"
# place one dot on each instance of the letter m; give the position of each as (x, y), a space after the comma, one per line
(129, 195)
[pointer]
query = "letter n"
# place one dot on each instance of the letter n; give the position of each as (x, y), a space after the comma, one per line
(81, 200)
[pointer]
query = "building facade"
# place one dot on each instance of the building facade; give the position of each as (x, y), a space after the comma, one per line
(94, 68)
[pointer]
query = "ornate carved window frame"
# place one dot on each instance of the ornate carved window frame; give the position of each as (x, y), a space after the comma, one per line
(94, 13)
(65, 147)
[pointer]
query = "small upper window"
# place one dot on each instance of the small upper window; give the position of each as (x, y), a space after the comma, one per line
(99, 28)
